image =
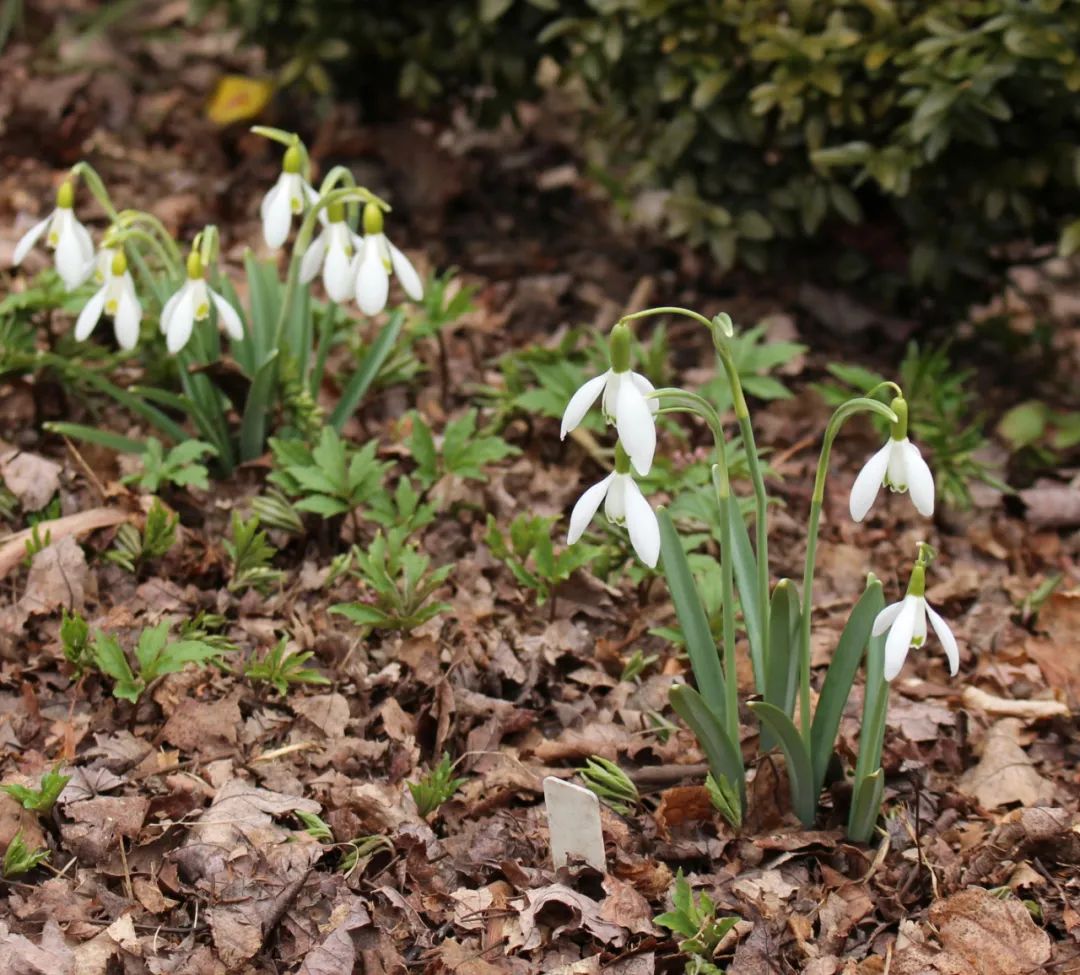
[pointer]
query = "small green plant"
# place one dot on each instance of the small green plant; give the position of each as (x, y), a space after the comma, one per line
(155, 656)
(401, 580)
(42, 799)
(528, 552)
(637, 665)
(133, 548)
(694, 918)
(276, 511)
(464, 451)
(36, 543)
(435, 787)
(179, 467)
(361, 850)
(20, 858)
(74, 640)
(725, 799)
(251, 555)
(315, 826)
(1033, 427)
(282, 669)
(206, 628)
(611, 784)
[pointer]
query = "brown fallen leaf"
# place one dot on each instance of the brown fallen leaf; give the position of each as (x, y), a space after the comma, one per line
(767, 891)
(1005, 774)
(32, 479)
(58, 577)
(625, 907)
(98, 824)
(13, 550)
(51, 956)
(1051, 504)
(551, 911)
(1057, 652)
(337, 951)
(683, 804)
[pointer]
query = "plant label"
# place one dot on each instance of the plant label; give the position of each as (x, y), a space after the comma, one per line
(574, 823)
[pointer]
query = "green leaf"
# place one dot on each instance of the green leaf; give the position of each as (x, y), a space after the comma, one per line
(723, 755)
(367, 370)
(704, 656)
(257, 409)
(800, 771)
(1069, 243)
(1024, 424)
(865, 807)
(781, 679)
(744, 563)
(95, 435)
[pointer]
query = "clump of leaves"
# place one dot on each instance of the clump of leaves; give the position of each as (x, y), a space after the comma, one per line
(435, 787)
(20, 858)
(206, 628)
(42, 799)
(401, 580)
(695, 919)
(315, 826)
(332, 478)
(464, 451)
(637, 665)
(155, 656)
(74, 640)
(180, 466)
(725, 799)
(251, 554)
(361, 850)
(610, 783)
(282, 669)
(1039, 432)
(134, 548)
(36, 543)
(276, 511)
(528, 552)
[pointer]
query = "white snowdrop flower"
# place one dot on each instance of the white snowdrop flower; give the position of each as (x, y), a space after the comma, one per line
(191, 304)
(290, 195)
(332, 251)
(900, 466)
(376, 257)
(623, 504)
(66, 236)
(623, 403)
(906, 624)
(116, 298)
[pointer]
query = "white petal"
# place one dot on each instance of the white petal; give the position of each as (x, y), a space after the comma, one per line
(585, 509)
(899, 641)
(642, 524)
(645, 387)
(580, 403)
(270, 194)
(313, 258)
(615, 502)
(896, 475)
(27, 240)
(82, 235)
(89, 316)
(337, 274)
(277, 219)
(181, 322)
(886, 618)
(372, 282)
(920, 480)
(868, 483)
(71, 260)
(637, 430)
(611, 394)
(170, 307)
(126, 320)
(228, 317)
(406, 273)
(948, 641)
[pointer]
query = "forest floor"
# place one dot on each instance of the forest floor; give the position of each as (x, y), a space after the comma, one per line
(175, 846)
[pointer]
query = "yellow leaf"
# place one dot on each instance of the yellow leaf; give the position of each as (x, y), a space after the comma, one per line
(237, 98)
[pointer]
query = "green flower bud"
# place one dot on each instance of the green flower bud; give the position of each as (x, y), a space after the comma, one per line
(194, 265)
(335, 212)
(119, 264)
(292, 160)
(65, 196)
(900, 408)
(917, 583)
(619, 348)
(373, 219)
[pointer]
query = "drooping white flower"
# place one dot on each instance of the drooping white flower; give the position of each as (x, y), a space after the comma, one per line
(191, 304)
(623, 403)
(906, 624)
(290, 195)
(900, 466)
(116, 298)
(333, 251)
(375, 258)
(66, 236)
(623, 504)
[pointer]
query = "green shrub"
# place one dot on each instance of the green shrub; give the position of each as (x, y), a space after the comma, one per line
(948, 127)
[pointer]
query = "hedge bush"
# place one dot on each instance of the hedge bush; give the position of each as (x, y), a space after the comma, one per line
(909, 139)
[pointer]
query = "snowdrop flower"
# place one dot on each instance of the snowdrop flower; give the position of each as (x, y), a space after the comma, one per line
(376, 257)
(191, 304)
(623, 504)
(333, 251)
(900, 466)
(906, 624)
(65, 235)
(116, 298)
(623, 403)
(289, 195)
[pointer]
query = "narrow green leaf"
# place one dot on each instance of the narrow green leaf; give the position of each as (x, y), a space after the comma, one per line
(367, 370)
(841, 675)
(138, 406)
(257, 409)
(704, 657)
(783, 661)
(800, 771)
(746, 581)
(94, 435)
(866, 807)
(722, 754)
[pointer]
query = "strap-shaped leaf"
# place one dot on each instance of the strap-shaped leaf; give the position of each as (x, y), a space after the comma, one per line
(103, 438)
(700, 645)
(782, 674)
(367, 370)
(257, 409)
(722, 754)
(865, 807)
(800, 772)
(746, 581)
(841, 675)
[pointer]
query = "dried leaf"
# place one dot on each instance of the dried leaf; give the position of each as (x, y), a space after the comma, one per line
(1005, 774)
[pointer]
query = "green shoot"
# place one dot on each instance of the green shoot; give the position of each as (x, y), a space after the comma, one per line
(42, 799)
(611, 784)
(696, 921)
(179, 467)
(134, 548)
(282, 669)
(435, 787)
(250, 554)
(20, 859)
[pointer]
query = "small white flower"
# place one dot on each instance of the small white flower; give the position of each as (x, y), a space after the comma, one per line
(191, 304)
(333, 251)
(624, 404)
(116, 298)
(65, 235)
(906, 623)
(623, 504)
(375, 258)
(290, 195)
(900, 466)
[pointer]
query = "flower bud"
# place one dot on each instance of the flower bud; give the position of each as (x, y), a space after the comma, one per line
(619, 348)
(373, 219)
(900, 408)
(65, 196)
(194, 265)
(335, 212)
(119, 264)
(292, 160)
